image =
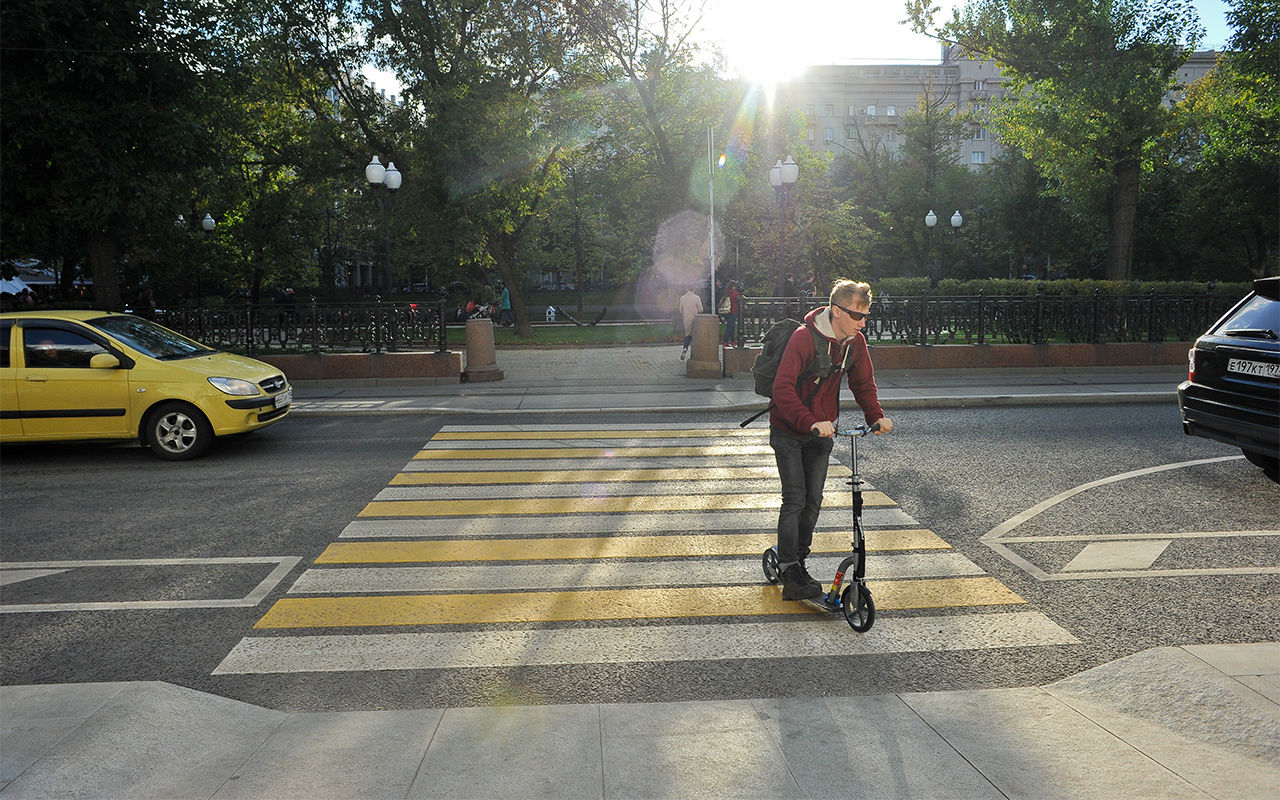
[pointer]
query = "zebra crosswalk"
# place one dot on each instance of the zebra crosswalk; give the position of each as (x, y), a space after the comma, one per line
(506, 546)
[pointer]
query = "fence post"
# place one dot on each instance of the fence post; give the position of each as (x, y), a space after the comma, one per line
(442, 337)
(924, 318)
(982, 318)
(248, 324)
(315, 326)
(1038, 331)
(1094, 335)
(1151, 317)
(377, 323)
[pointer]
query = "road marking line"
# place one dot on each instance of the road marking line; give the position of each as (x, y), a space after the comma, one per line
(526, 477)
(283, 565)
(995, 538)
(719, 571)
(468, 550)
(621, 645)
(650, 523)
(613, 433)
(835, 487)
(611, 604)
(592, 505)
(593, 452)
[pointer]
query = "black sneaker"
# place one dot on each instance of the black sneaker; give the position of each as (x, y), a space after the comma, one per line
(797, 585)
(804, 573)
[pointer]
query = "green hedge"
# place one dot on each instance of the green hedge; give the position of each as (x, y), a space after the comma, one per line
(994, 287)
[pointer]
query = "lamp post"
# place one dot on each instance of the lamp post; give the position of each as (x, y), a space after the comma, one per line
(388, 178)
(783, 177)
(931, 220)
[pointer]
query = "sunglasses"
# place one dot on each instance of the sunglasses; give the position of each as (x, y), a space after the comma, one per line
(858, 315)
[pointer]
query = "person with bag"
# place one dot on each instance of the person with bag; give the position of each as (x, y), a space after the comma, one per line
(803, 415)
(731, 305)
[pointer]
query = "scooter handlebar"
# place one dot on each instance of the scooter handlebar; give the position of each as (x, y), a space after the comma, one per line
(860, 430)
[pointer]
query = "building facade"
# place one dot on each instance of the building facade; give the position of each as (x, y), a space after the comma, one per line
(851, 108)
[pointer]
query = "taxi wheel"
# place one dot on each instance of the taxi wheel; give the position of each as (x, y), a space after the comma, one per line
(177, 432)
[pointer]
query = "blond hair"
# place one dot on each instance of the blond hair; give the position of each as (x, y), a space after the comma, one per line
(843, 292)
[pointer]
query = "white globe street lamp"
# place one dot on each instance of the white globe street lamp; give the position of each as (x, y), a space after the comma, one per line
(783, 176)
(388, 178)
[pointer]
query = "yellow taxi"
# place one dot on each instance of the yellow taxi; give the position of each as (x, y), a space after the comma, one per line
(99, 375)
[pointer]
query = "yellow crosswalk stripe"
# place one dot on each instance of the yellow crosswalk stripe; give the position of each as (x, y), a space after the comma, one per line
(612, 604)
(594, 505)
(686, 433)
(594, 476)
(550, 453)
(734, 544)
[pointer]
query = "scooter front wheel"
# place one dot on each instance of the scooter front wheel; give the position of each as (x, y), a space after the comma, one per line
(859, 610)
(769, 563)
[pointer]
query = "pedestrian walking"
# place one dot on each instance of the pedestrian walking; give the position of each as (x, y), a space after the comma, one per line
(802, 422)
(734, 296)
(690, 307)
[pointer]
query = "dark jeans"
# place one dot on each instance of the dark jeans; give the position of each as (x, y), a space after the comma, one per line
(802, 468)
(730, 328)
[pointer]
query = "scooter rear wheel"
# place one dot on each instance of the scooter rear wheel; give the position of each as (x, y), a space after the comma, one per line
(769, 563)
(859, 610)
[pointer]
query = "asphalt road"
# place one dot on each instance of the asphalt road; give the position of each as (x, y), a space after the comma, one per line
(291, 490)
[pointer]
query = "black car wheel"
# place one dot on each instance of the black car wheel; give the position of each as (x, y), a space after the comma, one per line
(177, 432)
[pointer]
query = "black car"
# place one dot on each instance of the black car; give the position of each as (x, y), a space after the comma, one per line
(1232, 393)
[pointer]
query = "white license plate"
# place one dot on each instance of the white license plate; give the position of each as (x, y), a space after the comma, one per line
(284, 398)
(1257, 369)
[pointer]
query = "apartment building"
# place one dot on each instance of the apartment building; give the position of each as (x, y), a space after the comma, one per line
(851, 107)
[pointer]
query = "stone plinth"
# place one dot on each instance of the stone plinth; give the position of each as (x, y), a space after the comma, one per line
(704, 353)
(482, 359)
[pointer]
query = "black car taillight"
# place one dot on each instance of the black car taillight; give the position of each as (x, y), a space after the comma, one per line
(1191, 366)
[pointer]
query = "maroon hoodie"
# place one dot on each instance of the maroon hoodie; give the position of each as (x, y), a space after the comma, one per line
(797, 408)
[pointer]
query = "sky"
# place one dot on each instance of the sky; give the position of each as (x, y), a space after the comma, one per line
(768, 40)
(765, 46)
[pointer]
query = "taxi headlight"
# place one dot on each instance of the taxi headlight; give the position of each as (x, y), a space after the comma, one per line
(234, 386)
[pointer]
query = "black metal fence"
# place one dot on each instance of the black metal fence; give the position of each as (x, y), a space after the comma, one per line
(315, 327)
(1033, 319)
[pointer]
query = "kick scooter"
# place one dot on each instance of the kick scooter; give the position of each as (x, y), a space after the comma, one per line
(849, 592)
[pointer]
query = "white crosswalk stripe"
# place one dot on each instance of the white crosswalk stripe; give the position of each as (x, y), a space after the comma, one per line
(556, 473)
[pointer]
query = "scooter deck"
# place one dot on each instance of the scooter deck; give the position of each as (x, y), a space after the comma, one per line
(822, 602)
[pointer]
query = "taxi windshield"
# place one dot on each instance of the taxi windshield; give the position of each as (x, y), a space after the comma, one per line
(149, 338)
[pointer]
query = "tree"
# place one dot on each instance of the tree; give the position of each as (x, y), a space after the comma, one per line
(1084, 82)
(102, 117)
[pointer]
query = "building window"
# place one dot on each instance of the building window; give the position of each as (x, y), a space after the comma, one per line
(980, 134)
(831, 135)
(808, 110)
(891, 111)
(808, 135)
(829, 110)
(871, 111)
(978, 157)
(851, 131)
(853, 111)
(979, 86)
(891, 136)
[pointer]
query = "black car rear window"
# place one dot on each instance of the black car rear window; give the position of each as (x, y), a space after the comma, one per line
(1254, 319)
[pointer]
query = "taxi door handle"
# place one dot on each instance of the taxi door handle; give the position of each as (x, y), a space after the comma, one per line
(37, 379)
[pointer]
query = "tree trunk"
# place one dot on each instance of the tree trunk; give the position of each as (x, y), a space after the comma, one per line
(1122, 213)
(503, 250)
(103, 252)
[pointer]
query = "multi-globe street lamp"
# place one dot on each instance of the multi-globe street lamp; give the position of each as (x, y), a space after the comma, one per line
(388, 178)
(783, 177)
(931, 219)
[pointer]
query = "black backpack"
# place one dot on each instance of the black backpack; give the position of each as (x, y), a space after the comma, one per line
(774, 344)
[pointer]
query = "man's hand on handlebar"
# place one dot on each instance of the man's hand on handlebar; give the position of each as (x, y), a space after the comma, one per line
(886, 425)
(826, 429)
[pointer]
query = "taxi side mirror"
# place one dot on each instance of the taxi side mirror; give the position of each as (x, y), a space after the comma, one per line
(104, 361)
